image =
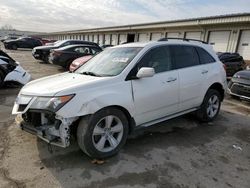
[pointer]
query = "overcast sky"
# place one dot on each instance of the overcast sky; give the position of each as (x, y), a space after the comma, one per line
(58, 15)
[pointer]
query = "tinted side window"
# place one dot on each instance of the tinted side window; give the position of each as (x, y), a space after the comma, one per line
(158, 58)
(83, 50)
(185, 56)
(204, 56)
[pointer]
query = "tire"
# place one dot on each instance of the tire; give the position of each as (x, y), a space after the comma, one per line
(45, 58)
(210, 106)
(14, 47)
(1, 79)
(95, 135)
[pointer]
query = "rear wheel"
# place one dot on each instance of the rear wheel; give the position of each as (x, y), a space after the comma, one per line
(210, 106)
(103, 134)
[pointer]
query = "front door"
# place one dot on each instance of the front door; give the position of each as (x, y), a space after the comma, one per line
(156, 97)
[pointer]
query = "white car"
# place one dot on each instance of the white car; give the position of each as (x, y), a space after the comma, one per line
(11, 71)
(123, 88)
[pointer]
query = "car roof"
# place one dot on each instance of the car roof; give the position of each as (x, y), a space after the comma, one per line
(169, 42)
(186, 42)
(76, 45)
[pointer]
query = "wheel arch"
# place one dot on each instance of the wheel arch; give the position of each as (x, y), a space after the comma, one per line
(218, 87)
(131, 120)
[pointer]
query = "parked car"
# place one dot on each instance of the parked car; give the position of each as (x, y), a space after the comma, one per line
(233, 62)
(42, 52)
(79, 62)
(239, 85)
(122, 89)
(65, 55)
(44, 41)
(11, 71)
(8, 38)
(23, 42)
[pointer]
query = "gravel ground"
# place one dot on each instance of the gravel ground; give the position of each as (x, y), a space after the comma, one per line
(179, 153)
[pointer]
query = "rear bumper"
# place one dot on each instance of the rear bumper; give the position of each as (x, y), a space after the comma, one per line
(18, 75)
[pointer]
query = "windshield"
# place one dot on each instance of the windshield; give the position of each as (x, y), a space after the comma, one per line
(110, 62)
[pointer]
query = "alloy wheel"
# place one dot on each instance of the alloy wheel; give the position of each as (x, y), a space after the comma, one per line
(213, 106)
(107, 133)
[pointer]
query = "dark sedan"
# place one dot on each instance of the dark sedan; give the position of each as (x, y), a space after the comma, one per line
(42, 52)
(239, 86)
(233, 62)
(24, 42)
(65, 55)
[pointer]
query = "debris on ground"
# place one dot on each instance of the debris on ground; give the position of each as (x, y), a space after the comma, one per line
(96, 161)
(237, 147)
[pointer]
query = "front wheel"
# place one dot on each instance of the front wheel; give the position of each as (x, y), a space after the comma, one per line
(210, 106)
(103, 134)
(14, 47)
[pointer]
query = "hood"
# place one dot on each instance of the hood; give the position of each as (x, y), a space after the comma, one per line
(9, 41)
(83, 59)
(46, 47)
(245, 74)
(65, 83)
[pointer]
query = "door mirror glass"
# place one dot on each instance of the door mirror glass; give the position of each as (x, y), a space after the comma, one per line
(145, 72)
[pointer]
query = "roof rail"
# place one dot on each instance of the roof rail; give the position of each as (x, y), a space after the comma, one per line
(184, 39)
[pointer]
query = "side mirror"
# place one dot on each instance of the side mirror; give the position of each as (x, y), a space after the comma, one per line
(145, 72)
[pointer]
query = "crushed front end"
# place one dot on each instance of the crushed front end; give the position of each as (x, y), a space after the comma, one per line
(39, 118)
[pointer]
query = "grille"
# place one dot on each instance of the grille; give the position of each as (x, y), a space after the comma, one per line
(240, 89)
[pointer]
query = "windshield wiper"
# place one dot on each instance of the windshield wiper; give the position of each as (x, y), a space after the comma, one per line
(91, 74)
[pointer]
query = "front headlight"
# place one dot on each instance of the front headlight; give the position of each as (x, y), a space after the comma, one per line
(52, 104)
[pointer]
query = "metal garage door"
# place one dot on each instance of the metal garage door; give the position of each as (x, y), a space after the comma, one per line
(244, 44)
(107, 39)
(114, 39)
(95, 38)
(219, 40)
(143, 37)
(173, 35)
(155, 36)
(100, 39)
(122, 38)
(193, 35)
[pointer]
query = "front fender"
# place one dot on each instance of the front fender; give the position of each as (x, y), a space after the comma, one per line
(93, 101)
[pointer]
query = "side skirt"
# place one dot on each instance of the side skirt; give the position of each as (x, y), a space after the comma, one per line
(165, 118)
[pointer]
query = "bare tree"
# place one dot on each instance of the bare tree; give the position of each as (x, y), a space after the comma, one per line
(8, 27)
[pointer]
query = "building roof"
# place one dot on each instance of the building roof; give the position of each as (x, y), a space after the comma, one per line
(219, 19)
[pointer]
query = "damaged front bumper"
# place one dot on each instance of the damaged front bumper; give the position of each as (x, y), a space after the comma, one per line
(18, 75)
(46, 125)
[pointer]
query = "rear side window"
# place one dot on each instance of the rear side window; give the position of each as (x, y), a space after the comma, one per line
(204, 56)
(158, 58)
(184, 56)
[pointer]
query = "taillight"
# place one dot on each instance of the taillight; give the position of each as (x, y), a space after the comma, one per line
(225, 67)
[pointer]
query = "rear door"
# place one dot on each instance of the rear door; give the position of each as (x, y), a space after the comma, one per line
(156, 97)
(192, 75)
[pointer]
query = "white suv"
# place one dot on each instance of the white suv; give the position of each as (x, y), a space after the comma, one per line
(123, 88)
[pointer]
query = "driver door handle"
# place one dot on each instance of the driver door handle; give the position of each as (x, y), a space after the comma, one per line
(171, 79)
(204, 72)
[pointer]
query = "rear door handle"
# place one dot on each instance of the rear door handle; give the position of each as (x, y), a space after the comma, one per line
(171, 79)
(204, 72)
